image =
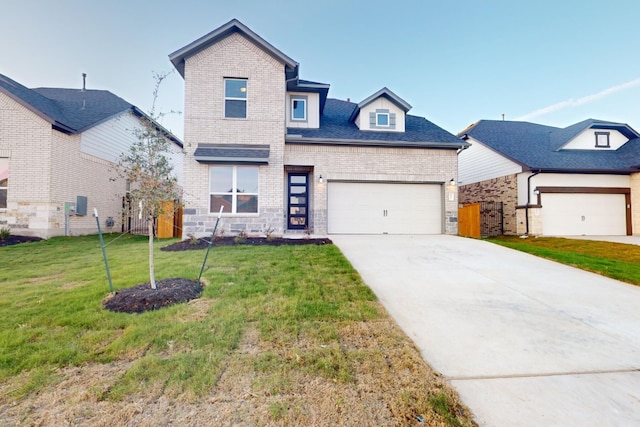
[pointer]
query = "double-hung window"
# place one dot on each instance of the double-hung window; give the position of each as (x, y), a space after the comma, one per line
(235, 98)
(4, 181)
(235, 188)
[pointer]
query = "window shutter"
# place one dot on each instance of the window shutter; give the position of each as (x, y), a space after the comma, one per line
(372, 119)
(392, 120)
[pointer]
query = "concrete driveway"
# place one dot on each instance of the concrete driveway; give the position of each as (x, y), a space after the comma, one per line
(525, 341)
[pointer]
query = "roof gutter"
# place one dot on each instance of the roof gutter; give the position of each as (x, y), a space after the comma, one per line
(298, 139)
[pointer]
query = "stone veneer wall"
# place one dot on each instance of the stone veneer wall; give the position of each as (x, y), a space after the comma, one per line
(503, 189)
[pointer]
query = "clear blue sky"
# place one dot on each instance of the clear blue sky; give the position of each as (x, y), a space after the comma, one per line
(456, 62)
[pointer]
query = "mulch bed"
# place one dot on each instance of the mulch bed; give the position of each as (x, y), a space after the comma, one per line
(15, 239)
(187, 245)
(142, 298)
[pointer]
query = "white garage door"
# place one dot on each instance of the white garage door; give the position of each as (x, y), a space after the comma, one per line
(583, 214)
(376, 208)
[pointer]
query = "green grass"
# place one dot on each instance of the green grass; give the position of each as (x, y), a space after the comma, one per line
(615, 260)
(51, 306)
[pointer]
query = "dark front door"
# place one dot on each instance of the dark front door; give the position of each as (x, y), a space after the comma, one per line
(298, 201)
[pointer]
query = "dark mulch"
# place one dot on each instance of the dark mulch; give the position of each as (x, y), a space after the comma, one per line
(15, 239)
(142, 298)
(186, 245)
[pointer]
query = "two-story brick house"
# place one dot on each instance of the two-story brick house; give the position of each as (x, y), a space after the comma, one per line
(275, 153)
(58, 151)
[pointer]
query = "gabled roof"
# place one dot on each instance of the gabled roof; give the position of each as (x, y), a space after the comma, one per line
(336, 127)
(299, 85)
(536, 147)
(73, 111)
(384, 93)
(234, 26)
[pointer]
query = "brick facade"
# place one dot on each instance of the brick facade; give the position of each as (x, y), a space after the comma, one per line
(47, 169)
(235, 56)
(503, 189)
(205, 71)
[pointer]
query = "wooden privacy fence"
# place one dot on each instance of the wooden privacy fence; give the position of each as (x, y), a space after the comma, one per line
(469, 220)
(167, 225)
(482, 219)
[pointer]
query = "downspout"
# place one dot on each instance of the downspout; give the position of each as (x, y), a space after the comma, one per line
(526, 207)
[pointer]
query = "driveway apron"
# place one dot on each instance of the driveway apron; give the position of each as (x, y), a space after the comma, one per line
(525, 341)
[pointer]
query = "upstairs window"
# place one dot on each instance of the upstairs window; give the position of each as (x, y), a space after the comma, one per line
(235, 98)
(299, 109)
(4, 181)
(602, 140)
(382, 119)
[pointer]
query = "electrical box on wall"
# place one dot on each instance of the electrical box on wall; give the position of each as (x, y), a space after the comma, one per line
(81, 205)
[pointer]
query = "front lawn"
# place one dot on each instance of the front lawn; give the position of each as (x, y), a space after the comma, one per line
(616, 260)
(282, 335)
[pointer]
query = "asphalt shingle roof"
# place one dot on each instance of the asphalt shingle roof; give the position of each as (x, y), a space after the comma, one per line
(539, 147)
(84, 109)
(72, 109)
(335, 125)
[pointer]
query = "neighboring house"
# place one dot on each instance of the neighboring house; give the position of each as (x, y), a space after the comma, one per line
(580, 180)
(279, 156)
(58, 149)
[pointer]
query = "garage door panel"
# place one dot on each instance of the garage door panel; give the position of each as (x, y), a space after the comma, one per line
(584, 214)
(374, 208)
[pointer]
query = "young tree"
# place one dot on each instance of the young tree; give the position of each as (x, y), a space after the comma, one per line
(147, 168)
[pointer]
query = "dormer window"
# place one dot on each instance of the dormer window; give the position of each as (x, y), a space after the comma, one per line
(602, 140)
(299, 108)
(382, 119)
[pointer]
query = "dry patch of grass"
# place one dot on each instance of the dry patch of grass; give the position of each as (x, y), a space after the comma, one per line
(265, 384)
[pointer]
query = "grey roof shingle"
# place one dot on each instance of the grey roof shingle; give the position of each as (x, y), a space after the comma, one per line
(335, 126)
(84, 109)
(71, 110)
(538, 147)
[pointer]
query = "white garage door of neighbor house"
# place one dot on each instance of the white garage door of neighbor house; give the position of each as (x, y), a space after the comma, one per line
(584, 214)
(377, 208)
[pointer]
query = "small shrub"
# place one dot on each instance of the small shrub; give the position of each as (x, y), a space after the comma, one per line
(268, 232)
(5, 232)
(219, 235)
(241, 237)
(193, 240)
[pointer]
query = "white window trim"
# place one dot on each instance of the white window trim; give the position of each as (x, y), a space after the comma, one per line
(230, 98)
(388, 120)
(5, 188)
(234, 193)
(298, 99)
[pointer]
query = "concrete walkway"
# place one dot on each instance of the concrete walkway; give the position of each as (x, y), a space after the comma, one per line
(525, 341)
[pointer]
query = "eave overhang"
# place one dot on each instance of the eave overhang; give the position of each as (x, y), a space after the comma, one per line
(234, 26)
(298, 139)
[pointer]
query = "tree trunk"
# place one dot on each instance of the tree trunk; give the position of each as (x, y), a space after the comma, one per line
(152, 276)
